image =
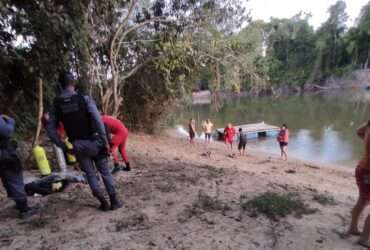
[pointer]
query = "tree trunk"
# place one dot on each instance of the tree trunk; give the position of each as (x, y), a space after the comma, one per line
(218, 77)
(366, 65)
(40, 112)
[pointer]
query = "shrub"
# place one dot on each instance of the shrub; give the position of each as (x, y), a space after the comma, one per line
(275, 206)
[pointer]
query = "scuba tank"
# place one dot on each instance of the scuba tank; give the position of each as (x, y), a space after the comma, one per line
(71, 159)
(60, 158)
(41, 160)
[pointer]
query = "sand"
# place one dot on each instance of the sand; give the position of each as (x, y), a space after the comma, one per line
(177, 198)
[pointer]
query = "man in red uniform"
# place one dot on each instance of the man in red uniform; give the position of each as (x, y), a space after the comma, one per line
(119, 134)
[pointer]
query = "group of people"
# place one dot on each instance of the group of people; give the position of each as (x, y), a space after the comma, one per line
(229, 134)
(94, 138)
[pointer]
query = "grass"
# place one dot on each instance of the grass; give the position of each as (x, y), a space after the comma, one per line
(324, 199)
(203, 204)
(135, 222)
(275, 206)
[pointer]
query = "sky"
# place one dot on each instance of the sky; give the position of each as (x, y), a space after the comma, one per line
(264, 9)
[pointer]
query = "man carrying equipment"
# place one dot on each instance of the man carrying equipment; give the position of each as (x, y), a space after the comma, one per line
(85, 130)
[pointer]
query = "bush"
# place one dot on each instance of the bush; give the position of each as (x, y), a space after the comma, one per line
(275, 206)
(324, 199)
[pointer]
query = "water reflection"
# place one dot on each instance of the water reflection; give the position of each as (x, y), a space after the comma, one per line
(322, 125)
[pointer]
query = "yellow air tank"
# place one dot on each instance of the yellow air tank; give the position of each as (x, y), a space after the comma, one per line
(71, 159)
(41, 160)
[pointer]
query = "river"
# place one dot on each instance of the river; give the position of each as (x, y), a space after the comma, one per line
(322, 125)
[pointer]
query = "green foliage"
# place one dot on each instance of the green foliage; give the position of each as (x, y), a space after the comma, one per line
(275, 206)
(194, 45)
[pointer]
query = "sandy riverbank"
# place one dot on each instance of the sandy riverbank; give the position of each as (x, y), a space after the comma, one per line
(164, 204)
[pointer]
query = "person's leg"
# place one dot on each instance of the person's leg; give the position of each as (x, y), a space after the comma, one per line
(285, 152)
(364, 238)
(281, 151)
(114, 146)
(87, 166)
(122, 149)
(12, 179)
(356, 212)
(102, 166)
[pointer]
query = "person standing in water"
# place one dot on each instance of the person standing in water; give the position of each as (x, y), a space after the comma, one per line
(192, 130)
(229, 133)
(362, 174)
(283, 139)
(208, 126)
(242, 142)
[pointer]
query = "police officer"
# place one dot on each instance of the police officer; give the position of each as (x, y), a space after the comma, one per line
(11, 168)
(85, 130)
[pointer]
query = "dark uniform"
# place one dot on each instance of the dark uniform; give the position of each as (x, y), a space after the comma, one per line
(85, 130)
(11, 168)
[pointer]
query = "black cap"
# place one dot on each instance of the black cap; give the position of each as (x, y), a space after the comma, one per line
(66, 79)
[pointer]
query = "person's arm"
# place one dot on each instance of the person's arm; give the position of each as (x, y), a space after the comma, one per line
(52, 129)
(95, 115)
(361, 131)
(7, 126)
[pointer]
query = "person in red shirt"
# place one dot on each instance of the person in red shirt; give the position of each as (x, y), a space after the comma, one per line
(45, 119)
(119, 134)
(229, 133)
(283, 139)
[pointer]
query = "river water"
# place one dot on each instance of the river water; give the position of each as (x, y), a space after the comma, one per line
(322, 125)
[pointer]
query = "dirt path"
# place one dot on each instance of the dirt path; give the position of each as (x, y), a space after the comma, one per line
(175, 198)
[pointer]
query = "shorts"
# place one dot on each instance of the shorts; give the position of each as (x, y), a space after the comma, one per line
(191, 134)
(363, 182)
(283, 144)
(242, 145)
(228, 140)
(208, 136)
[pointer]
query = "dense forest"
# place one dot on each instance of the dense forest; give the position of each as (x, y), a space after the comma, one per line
(136, 57)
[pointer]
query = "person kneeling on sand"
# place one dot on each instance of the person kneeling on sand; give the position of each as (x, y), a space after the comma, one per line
(363, 183)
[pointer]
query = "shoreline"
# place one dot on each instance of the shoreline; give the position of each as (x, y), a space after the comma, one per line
(165, 206)
(252, 146)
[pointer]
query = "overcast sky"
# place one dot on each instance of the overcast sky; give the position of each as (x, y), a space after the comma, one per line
(264, 9)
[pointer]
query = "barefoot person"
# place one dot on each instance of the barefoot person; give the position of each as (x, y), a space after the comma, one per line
(192, 130)
(208, 126)
(363, 183)
(283, 139)
(242, 142)
(229, 133)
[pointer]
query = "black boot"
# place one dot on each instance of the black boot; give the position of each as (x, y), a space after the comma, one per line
(104, 206)
(127, 167)
(24, 210)
(114, 202)
(116, 168)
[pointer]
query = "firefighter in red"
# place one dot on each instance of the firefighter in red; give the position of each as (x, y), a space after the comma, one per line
(119, 134)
